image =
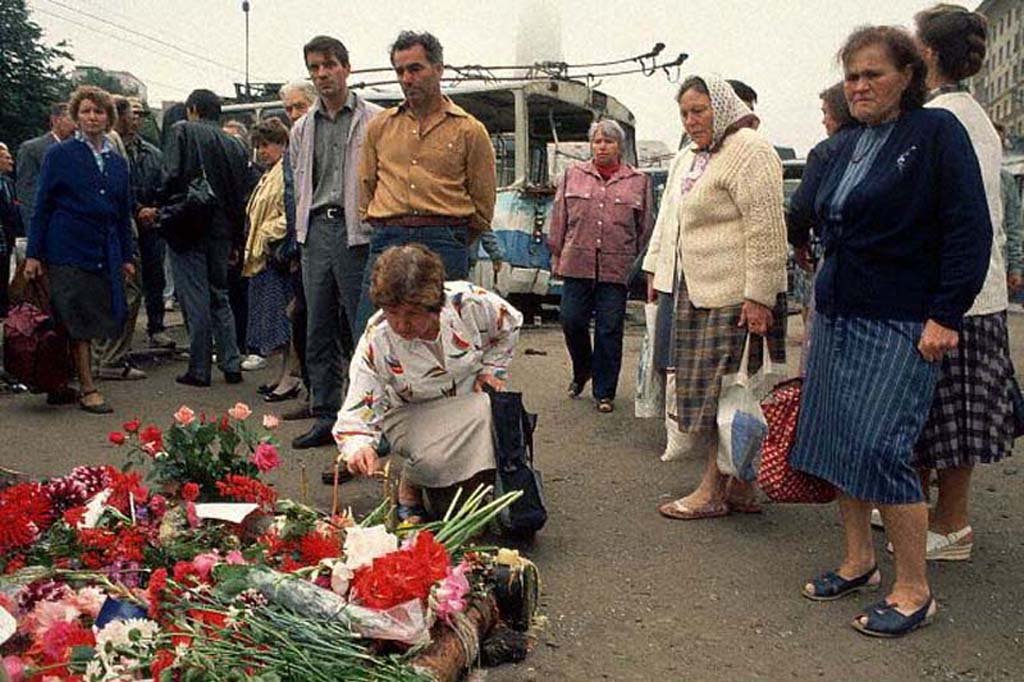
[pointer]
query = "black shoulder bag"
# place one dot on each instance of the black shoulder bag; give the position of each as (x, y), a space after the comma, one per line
(186, 215)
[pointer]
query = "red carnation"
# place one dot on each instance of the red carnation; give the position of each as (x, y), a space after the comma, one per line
(154, 591)
(190, 491)
(116, 437)
(132, 426)
(74, 516)
(315, 546)
(164, 659)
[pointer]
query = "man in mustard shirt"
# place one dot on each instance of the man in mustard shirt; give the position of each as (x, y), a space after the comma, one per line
(427, 169)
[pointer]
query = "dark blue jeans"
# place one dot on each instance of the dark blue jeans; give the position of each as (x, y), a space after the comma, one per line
(606, 303)
(447, 242)
(151, 252)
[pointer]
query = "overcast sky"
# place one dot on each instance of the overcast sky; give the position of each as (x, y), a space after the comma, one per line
(783, 48)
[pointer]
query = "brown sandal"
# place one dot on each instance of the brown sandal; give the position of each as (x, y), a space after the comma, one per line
(677, 510)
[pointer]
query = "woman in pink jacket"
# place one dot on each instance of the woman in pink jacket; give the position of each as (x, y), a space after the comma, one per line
(600, 222)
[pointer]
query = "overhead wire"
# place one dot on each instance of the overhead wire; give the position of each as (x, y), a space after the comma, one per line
(155, 39)
(121, 38)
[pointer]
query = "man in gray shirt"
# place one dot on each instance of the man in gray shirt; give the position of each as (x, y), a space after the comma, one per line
(30, 158)
(324, 151)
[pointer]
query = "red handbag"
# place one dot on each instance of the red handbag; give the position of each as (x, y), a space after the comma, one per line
(779, 481)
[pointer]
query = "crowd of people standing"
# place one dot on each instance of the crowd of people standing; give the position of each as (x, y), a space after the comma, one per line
(288, 238)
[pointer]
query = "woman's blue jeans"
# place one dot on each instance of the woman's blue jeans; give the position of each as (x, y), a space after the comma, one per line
(606, 303)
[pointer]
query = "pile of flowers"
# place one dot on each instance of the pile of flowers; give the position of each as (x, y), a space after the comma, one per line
(199, 566)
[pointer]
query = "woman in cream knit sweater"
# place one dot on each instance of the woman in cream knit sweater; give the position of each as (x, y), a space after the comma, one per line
(728, 269)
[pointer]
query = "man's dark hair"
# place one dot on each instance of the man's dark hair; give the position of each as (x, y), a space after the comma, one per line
(205, 102)
(743, 91)
(409, 39)
(58, 109)
(327, 45)
(122, 105)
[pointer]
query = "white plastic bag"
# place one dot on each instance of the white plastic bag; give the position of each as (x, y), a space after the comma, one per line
(679, 444)
(741, 423)
(650, 386)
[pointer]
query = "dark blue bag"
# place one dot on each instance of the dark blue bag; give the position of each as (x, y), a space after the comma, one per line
(513, 451)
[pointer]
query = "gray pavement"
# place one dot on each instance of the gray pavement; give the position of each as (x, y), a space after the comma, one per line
(628, 595)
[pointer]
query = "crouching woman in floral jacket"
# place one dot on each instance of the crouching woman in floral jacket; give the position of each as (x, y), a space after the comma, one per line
(418, 374)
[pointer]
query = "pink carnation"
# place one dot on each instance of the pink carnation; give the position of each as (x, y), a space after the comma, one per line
(240, 412)
(451, 592)
(265, 458)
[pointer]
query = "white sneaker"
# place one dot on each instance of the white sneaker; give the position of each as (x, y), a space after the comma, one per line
(253, 362)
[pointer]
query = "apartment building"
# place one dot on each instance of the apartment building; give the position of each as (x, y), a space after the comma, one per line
(999, 86)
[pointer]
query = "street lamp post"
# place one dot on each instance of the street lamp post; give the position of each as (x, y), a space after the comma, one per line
(245, 10)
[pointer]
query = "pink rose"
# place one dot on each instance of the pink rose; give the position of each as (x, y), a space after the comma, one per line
(271, 421)
(240, 412)
(265, 458)
(204, 563)
(184, 415)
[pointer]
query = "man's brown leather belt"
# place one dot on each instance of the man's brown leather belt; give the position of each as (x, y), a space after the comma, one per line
(421, 221)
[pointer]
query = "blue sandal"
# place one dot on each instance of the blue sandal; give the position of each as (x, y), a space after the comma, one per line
(885, 621)
(831, 586)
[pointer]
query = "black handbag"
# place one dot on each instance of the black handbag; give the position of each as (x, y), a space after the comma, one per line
(513, 451)
(185, 216)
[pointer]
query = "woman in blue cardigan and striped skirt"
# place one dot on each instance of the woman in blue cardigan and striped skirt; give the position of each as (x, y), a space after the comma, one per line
(81, 231)
(907, 237)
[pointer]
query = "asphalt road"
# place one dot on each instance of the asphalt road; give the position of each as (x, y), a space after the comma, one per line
(629, 595)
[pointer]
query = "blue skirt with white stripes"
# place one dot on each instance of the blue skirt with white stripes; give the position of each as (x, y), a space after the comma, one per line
(865, 400)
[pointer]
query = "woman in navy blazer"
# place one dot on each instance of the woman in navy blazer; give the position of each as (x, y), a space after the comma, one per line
(81, 230)
(907, 236)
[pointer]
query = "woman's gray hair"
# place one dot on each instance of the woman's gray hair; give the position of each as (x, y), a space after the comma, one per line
(306, 87)
(3, 145)
(608, 128)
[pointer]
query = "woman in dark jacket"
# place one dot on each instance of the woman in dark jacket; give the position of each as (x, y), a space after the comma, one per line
(601, 220)
(81, 232)
(907, 237)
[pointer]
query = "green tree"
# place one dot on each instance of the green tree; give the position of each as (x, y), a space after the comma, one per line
(32, 76)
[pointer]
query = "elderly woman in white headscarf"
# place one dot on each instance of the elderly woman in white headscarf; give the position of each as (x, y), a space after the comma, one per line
(728, 271)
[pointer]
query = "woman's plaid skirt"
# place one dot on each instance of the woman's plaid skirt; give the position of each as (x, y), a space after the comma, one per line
(971, 418)
(708, 345)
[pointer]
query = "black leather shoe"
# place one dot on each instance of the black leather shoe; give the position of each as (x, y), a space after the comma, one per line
(190, 380)
(317, 436)
(576, 387)
(265, 389)
(233, 377)
(281, 397)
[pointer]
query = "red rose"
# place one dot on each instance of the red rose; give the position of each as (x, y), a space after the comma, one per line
(132, 426)
(190, 492)
(150, 434)
(116, 437)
